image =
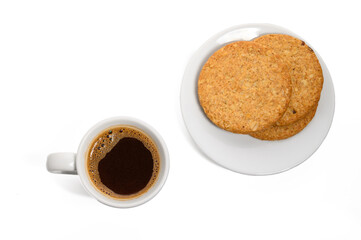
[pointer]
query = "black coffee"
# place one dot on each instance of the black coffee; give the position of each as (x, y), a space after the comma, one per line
(123, 162)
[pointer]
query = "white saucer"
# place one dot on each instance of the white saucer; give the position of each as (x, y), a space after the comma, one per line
(242, 153)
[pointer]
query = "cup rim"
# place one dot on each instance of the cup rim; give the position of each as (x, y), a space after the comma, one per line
(81, 161)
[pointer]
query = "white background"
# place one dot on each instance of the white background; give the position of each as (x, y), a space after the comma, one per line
(65, 65)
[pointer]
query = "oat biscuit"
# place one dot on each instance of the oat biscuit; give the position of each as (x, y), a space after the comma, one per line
(305, 70)
(244, 87)
(283, 132)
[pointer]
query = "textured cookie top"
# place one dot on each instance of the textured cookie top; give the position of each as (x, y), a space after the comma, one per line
(283, 132)
(305, 70)
(244, 87)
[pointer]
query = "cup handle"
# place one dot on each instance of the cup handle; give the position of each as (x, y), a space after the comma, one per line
(61, 163)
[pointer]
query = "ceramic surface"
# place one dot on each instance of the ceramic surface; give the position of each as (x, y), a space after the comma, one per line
(71, 163)
(242, 153)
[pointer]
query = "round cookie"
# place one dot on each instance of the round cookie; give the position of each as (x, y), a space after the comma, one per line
(244, 87)
(305, 70)
(283, 132)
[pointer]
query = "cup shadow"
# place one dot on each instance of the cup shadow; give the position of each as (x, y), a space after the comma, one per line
(69, 182)
(72, 184)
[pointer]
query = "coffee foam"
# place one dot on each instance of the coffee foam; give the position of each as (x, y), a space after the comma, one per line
(104, 142)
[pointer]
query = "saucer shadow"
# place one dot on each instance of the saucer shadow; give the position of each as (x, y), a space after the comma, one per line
(188, 136)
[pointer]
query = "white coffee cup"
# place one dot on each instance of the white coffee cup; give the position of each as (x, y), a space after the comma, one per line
(75, 163)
